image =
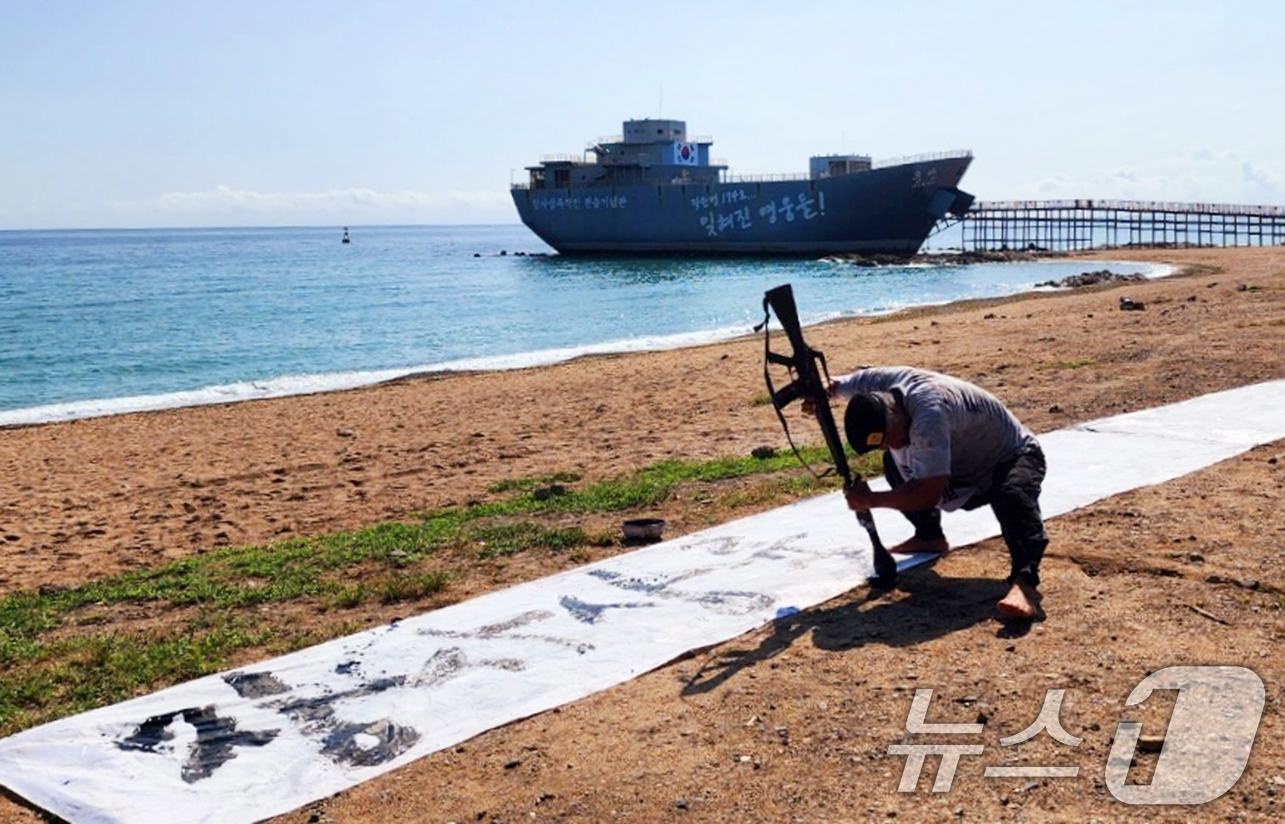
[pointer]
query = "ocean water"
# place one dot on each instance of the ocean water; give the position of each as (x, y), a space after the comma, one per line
(103, 322)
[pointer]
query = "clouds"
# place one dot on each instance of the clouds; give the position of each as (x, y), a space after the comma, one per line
(1264, 186)
(224, 205)
(413, 113)
(1197, 176)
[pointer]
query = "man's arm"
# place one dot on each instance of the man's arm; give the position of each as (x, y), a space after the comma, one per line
(914, 495)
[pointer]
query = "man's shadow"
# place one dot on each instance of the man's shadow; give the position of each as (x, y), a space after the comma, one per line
(935, 607)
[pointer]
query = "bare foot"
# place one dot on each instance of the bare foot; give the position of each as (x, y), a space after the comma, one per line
(1022, 601)
(937, 546)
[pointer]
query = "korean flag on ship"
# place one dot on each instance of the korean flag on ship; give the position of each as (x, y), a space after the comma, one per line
(685, 154)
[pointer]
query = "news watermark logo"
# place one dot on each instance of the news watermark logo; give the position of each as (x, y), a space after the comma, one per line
(1206, 747)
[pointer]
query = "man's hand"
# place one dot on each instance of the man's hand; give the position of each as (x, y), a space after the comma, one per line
(858, 495)
(914, 495)
(809, 408)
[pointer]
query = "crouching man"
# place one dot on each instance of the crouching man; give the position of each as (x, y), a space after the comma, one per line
(948, 444)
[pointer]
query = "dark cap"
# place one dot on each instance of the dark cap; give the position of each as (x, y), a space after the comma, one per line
(866, 422)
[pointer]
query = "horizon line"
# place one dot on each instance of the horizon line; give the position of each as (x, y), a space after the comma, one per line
(338, 226)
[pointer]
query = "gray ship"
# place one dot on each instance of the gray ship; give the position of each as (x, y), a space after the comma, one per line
(655, 191)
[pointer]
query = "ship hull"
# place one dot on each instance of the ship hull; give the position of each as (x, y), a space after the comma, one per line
(889, 210)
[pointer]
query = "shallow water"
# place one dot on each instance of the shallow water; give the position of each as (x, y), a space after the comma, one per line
(98, 322)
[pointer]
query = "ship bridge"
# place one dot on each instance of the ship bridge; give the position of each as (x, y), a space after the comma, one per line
(650, 151)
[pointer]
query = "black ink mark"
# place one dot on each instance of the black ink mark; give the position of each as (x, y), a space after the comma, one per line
(780, 549)
(340, 740)
(149, 735)
(587, 613)
(446, 664)
(216, 737)
(716, 546)
(736, 602)
(216, 740)
(504, 629)
(315, 713)
(733, 602)
(656, 586)
(526, 618)
(343, 744)
(254, 685)
(788, 546)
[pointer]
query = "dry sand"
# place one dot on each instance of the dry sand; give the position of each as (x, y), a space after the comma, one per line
(792, 722)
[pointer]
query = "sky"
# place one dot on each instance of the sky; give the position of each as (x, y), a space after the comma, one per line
(151, 113)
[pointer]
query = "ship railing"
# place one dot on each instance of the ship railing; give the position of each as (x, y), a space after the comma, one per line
(619, 138)
(920, 158)
(728, 178)
(568, 158)
(878, 164)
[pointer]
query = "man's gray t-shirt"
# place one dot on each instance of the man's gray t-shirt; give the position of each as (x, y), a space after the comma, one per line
(956, 429)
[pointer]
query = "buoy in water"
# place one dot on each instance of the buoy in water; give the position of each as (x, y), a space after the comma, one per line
(346, 240)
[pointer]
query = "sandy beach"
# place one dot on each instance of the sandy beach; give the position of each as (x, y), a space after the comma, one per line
(785, 725)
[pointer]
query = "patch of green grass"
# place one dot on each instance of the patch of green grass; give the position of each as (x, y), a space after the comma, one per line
(655, 483)
(772, 490)
(509, 539)
(242, 577)
(528, 484)
(601, 538)
(400, 587)
(1071, 364)
(65, 651)
(347, 596)
(77, 673)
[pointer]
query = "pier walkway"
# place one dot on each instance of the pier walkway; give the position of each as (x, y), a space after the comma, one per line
(1058, 225)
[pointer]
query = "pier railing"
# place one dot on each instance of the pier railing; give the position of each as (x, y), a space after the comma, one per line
(1061, 225)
